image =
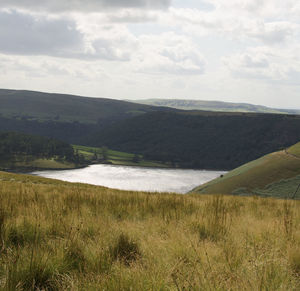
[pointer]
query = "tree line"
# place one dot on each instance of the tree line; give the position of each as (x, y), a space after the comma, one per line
(12, 143)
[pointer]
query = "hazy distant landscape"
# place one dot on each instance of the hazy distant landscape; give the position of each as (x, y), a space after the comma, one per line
(186, 104)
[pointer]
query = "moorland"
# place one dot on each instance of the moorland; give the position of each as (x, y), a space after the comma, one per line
(62, 236)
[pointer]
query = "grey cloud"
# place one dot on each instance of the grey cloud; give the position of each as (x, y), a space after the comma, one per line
(130, 16)
(272, 33)
(24, 34)
(250, 62)
(84, 5)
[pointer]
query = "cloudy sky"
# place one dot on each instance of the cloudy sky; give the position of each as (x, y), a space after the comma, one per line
(230, 50)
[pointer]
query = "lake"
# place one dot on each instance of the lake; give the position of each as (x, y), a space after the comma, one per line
(135, 178)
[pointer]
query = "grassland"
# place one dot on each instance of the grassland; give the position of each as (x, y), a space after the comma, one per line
(276, 175)
(96, 155)
(62, 236)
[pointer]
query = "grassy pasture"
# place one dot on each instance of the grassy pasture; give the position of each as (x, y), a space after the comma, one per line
(116, 157)
(62, 236)
(276, 174)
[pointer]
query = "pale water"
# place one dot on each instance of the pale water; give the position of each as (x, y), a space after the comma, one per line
(135, 178)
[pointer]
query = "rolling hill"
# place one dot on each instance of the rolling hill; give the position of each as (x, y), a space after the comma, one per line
(214, 106)
(276, 174)
(32, 105)
(66, 117)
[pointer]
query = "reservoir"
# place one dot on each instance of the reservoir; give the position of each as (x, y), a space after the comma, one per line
(135, 178)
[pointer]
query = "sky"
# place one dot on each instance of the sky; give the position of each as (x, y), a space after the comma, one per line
(229, 50)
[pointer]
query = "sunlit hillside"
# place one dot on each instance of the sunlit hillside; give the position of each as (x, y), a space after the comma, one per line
(61, 236)
(276, 175)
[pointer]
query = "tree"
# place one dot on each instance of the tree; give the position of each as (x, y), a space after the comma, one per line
(104, 153)
(136, 158)
(95, 156)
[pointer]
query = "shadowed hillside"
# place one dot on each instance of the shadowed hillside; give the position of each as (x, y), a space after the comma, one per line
(32, 105)
(188, 139)
(207, 140)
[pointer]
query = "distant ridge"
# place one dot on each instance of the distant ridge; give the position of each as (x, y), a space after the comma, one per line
(33, 105)
(214, 106)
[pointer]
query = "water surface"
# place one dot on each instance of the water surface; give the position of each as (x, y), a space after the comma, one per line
(135, 178)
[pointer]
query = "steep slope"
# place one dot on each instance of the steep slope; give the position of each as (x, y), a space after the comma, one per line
(214, 106)
(276, 174)
(207, 140)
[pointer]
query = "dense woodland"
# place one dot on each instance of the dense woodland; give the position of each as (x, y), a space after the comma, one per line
(196, 140)
(15, 144)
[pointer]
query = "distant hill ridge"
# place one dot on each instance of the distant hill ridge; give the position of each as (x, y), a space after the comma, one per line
(214, 106)
(67, 108)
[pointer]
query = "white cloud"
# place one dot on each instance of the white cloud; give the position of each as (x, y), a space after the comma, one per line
(232, 25)
(280, 65)
(144, 48)
(169, 54)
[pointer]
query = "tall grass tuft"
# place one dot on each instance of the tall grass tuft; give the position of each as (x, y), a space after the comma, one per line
(126, 250)
(217, 225)
(294, 259)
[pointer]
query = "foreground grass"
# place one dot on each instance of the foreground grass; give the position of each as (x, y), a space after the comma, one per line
(62, 236)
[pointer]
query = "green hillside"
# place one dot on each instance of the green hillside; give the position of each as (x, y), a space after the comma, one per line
(213, 106)
(56, 235)
(276, 174)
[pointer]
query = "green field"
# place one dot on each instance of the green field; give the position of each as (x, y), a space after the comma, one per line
(276, 174)
(95, 155)
(56, 235)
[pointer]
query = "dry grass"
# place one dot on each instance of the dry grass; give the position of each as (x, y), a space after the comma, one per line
(62, 236)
